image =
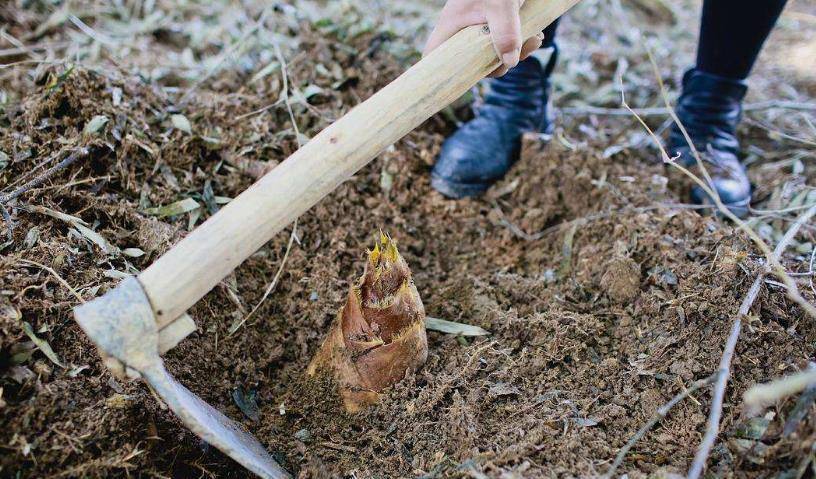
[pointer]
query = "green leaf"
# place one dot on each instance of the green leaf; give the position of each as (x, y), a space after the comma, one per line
(4, 160)
(42, 345)
(95, 125)
(180, 122)
(174, 209)
(451, 327)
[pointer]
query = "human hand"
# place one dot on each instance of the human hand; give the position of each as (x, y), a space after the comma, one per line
(501, 16)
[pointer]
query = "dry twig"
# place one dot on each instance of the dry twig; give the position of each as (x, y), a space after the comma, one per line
(71, 159)
(293, 235)
(661, 413)
(56, 275)
(768, 393)
(232, 48)
(776, 266)
(712, 429)
(661, 111)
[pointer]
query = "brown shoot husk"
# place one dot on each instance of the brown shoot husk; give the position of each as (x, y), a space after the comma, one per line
(379, 334)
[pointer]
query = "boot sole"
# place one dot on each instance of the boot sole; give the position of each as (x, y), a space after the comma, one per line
(456, 190)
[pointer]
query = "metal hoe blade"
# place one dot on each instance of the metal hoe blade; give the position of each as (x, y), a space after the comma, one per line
(122, 325)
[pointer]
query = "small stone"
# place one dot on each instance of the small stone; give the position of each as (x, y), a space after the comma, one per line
(303, 435)
(117, 401)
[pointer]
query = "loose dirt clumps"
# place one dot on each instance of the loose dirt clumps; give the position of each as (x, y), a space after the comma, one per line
(621, 281)
(603, 293)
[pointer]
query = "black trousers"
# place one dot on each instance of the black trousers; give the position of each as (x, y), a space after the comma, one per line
(732, 33)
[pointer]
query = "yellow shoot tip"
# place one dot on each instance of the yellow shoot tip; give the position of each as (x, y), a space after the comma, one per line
(374, 256)
(391, 253)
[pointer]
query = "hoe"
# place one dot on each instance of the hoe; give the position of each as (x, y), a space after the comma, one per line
(145, 316)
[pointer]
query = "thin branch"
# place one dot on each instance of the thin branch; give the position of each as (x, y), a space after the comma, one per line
(661, 413)
(272, 285)
(723, 373)
(776, 266)
(56, 276)
(661, 111)
(293, 236)
(71, 159)
(772, 257)
(232, 48)
(33, 171)
(9, 223)
(780, 133)
(259, 110)
(800, 410)
(763, 394)
(713, 427)
(812, 258)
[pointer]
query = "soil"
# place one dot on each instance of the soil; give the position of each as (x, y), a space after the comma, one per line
(604, 297)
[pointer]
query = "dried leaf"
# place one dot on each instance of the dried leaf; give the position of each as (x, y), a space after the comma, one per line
(263, 72)
(386, 180)
(95, 125)
(56, 214)
(116, 95)
(752, 428)
(180, 122)
(133, 252)
(246, 403)
(115, 274)
(209, 198)
(566, 251)
(4, 160)
(42, 345)
(451, 327)
(503, 389)
(31, 237)
(97, 239)
(585, 422)
(8, 312)
(174, 209)
(75, 371)
(80, 225)
(311, 90)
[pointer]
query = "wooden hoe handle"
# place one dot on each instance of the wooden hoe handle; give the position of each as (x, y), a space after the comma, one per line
(184, 274)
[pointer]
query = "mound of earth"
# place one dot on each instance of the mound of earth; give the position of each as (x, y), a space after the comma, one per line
(604, 297)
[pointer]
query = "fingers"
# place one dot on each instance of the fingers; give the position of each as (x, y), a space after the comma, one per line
(530, 45)
(454, 17)
(500, 71)
(505, 29)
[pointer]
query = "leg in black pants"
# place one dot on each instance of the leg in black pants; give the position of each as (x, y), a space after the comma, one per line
(732, 33)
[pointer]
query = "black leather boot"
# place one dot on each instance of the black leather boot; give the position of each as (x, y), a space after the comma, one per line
(484, 149)
(710, 108)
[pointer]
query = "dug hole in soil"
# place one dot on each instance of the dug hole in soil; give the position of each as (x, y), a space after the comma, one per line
(601, 303)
